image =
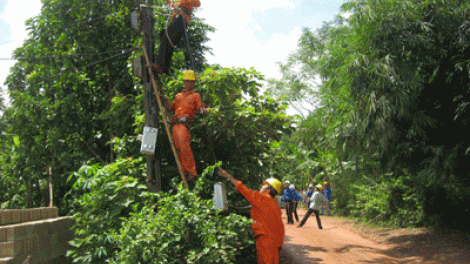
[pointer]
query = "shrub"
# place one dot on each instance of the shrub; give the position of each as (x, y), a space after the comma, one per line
(184, 229)
(116, 223)
(102, 197)
(371, 200)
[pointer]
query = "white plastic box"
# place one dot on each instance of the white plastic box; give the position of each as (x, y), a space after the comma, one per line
(149, 141)
(220, 197)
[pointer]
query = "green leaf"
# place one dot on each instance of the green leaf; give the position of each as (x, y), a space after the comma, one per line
(16, 139)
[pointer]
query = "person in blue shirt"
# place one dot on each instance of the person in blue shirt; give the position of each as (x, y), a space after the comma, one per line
(309, 194)
(288, 197)
(297, 198)
(327, 195)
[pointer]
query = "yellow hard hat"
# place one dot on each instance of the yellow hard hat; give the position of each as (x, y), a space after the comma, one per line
(325, 183)
(275, 183)
(189, 75)
(319, 187)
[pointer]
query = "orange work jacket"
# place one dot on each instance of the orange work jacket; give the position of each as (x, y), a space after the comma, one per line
(265, 213)
(189, 4)
(186, 104)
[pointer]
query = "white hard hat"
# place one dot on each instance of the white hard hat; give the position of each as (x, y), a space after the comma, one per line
(287, 182)
(292, 187)
(310, 186)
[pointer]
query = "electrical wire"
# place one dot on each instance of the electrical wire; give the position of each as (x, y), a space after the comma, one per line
(4, 43)
(90, 19)
(87, 65)
(93, 63)
(63, 56)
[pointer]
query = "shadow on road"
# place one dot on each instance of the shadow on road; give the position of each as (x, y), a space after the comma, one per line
(438, 246)
(293, 253)
(349, 247)
(428, 247)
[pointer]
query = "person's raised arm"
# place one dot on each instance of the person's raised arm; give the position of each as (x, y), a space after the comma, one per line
(226, 175)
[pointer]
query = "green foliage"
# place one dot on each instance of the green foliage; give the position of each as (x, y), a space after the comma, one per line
(101, 198)
(184, 229)
(115, 222)
(391, 200)
(72, 92)
(371, 201)
(391, 79)
(239, 128)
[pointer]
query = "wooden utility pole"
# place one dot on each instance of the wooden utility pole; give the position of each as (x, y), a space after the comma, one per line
(154, 179)
(142, 69)
(165, 122)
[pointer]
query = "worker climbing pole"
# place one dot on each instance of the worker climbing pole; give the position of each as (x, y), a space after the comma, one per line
(187, 102)
(185, 106)
(173, 33)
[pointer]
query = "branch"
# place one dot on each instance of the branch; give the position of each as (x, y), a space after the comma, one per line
(96, 155)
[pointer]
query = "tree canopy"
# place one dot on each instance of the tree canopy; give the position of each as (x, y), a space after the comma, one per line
(391, 103)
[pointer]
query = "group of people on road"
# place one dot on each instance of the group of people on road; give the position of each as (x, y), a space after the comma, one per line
(290, 198)
(317, 198)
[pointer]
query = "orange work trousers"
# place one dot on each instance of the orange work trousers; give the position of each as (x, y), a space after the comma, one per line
(267, 251)
(182, 139)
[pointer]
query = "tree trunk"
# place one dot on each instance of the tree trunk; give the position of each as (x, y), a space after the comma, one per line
(51, 195)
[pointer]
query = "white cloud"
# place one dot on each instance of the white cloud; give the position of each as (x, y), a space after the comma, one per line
(15, 13)
(234, 42)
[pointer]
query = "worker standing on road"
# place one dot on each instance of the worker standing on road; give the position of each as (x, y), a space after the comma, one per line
(185, 106)
(173, 34)
(327, 194)
(309, 194)
(267, 225)
(297, 199)
(288, 197)
(315, 204)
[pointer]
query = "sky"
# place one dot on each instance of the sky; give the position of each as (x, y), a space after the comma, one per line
(249, 33)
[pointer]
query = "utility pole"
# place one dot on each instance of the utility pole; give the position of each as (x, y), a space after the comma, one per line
(153, 161)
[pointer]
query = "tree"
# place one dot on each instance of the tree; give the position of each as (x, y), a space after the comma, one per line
(382, 101)
(75, 61)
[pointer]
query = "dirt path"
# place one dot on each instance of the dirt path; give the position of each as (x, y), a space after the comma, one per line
(341, 242)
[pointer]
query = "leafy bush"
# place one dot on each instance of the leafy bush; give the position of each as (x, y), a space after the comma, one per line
(102, 196)
(392, 200)
(404, 204)
(371, 200)
(184, 229)
(116, 223)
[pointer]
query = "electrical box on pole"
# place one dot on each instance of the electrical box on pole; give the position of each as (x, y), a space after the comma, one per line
(137, 66)
(135, 20)
(220, 197)
(149, 141)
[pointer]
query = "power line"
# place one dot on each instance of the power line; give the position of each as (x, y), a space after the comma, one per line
(85, 66)
(90, 64)
(8, 42)
(89, 19)
(86, 20)
(62, 56)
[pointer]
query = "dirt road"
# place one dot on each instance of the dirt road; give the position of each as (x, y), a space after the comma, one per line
(340, 242)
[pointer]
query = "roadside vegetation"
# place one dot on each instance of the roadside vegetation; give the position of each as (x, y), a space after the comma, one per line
(387, 84)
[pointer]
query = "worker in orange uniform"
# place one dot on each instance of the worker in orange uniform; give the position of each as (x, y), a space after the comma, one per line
(267, 225)
(174, 33)
(185, 106)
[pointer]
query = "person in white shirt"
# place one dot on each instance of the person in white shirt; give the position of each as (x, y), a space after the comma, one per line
(316, 202)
